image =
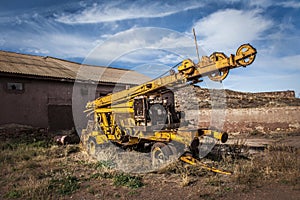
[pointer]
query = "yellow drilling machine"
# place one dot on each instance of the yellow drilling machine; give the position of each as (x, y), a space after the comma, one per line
(143, 118)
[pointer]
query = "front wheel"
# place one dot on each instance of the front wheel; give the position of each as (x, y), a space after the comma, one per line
(92, 146)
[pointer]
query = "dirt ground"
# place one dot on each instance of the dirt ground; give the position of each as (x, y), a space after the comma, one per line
(33, 167)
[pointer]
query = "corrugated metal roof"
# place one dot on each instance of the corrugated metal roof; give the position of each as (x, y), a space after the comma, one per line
(56, 68)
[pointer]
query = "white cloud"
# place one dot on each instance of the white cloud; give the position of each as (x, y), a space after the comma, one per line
(152, 70)
(61, 45)
(33, 33)
(289, 4)
(116, 11)
(279, 65)
(267, 73)
(148, 56)
(2, 41)
(263, 81)
(260, 3)
(66, 45)
(169, 58)
(138, 45)
(290, 62)
(34, 50)
(227, 29)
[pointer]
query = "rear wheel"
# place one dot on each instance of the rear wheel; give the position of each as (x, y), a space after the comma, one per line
(160, 154)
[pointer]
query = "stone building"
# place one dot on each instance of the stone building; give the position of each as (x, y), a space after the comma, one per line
(40, 91)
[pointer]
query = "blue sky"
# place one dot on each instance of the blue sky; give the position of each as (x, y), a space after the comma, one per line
(150, 36)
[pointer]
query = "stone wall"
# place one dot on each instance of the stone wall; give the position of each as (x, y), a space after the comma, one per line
(248, 120)
(239, 112)
(192, 98)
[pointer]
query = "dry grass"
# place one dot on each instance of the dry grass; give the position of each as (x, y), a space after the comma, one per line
(29, 169)
(277, 164)
(42, 170)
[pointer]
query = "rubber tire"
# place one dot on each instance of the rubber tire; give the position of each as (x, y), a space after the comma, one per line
(92, 146)
(160, 154)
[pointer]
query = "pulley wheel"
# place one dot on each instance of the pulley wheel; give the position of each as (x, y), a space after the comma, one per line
(243, 51)
(221, 74)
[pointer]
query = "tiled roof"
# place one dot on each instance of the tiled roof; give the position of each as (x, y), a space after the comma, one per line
(15, 63)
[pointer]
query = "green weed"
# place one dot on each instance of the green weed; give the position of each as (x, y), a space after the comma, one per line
(64, 186)
(128, 181)
(13, 194)
(104, 164)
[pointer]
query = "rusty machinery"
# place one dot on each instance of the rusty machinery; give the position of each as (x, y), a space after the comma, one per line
(144, 117)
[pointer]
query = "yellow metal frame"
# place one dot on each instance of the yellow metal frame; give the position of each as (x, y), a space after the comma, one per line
(192, 161)
(187, 71)
(105, 109)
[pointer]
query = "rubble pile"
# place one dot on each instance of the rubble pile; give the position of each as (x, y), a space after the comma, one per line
(22, 133)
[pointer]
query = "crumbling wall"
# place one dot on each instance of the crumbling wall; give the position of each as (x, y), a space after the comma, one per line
(248, 120)
(264, 120)
(194, 97)
(239, 112)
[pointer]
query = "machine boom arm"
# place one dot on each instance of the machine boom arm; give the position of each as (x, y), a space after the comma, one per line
(216, 67)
